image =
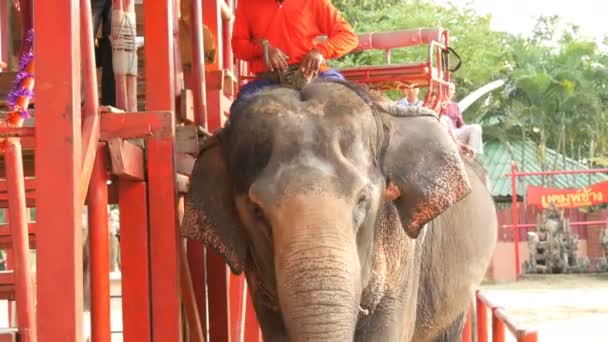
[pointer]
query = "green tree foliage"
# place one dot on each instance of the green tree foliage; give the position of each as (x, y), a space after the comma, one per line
(556, 78)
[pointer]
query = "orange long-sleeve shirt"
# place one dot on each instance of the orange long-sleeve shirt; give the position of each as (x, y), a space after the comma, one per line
(292, 26)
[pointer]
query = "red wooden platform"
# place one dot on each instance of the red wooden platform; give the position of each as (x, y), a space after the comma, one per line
(77, 155)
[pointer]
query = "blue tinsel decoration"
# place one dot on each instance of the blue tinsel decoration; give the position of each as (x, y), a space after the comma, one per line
(17, 90)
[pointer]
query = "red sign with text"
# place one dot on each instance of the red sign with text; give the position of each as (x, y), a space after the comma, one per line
(568, 198)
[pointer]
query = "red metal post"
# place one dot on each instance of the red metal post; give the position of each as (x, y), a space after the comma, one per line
(58, 168)
(198, 64)
(252, 328)
(26, 11)
(135, 282)
(195, 329)
(213, 20)
(498, 327)
(466, 331)
(99, 249)
(515, 212)
(18, 223)
(196, 261)
(218, 297)
(4, 27)
(237, 306)
(227, 42)
(482, 320)
(162, 199)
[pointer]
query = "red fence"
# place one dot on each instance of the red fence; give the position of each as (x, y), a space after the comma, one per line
(500, 323)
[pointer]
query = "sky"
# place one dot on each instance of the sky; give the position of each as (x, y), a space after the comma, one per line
(518, 16)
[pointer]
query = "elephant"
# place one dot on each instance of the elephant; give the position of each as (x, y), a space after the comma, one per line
(353, 219)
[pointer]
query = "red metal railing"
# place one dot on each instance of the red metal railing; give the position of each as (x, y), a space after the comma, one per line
(500, 323)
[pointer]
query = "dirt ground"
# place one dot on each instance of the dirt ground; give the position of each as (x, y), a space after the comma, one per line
(560, 307)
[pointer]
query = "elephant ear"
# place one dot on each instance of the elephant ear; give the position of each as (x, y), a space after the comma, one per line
(209, 211)
(423, 162)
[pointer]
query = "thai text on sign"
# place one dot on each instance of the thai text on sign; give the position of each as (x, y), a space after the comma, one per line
(568, 198)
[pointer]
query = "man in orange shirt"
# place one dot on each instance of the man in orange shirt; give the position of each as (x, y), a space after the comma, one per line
(291, 29)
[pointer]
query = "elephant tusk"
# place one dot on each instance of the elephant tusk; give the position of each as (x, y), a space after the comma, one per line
(363, 311)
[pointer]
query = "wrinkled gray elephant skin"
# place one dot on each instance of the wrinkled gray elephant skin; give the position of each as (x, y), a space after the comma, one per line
(353, 220)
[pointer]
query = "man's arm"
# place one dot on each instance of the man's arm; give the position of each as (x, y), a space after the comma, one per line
(243, 46)
(341, 38)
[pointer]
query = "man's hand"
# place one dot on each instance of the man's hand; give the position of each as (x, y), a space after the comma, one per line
(311, 63)
(277, 59)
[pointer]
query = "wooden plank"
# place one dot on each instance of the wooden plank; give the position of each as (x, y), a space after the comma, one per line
(215, 79)
(136, 125)
(59, 164)
(90, 112)
(186, 106)
(186, 140)
(90, 138)
(127, 159)
(184, 163)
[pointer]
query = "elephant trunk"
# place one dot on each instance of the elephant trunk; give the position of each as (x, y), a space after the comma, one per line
(318, 274)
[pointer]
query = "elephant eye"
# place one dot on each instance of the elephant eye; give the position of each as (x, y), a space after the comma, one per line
(362, 201)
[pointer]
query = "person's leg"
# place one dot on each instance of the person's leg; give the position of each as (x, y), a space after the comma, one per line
(97, 9)
(462, 134)
(470, 135)
(108, 84)
(446, 122)
(475, 138)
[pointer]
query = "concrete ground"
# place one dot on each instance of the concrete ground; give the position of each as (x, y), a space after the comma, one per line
(560, 307)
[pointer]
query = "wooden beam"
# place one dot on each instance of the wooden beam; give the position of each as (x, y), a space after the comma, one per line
(16, 132)
(30, 184)
(136, 125)
(90, 139)
(186, 139)
(127, 159)
(30, 195)
(5, 236)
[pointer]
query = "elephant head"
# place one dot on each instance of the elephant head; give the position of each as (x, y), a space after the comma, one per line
(291, 190)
